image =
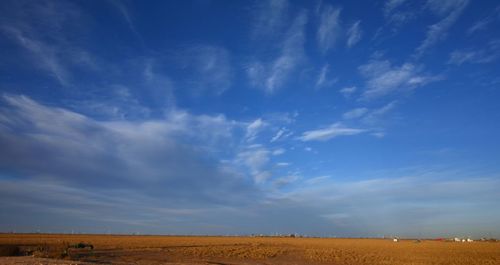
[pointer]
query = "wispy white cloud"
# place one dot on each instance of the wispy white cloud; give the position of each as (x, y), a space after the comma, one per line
(283, 181)
(382, 78)
(322, 76)
(327, 133)
(291, 54)
(282, 117)
(282, 134)
(451, 10)
(41, 29)
(378, 134)
(323, 79)
(329, 27)
(46, 57)
(256, 72)
(136, 89)
(120, 105)
(273, 75)
(279, 151)
(487, 55)
(316, 180)
(159, 86)
(354, 34)
(278, 135)
(208, 68)
(460, 57)
(256, 158)
(390, 5)
(280, 70)
(484, 22)
(354, 113)
(254, 128)
(398, 12)
(120, 6)
(269, 18)
(348, 91)
(445, 7)
(371, 117)
(376, 115)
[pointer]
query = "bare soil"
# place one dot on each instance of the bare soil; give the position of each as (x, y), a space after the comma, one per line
(114, 249)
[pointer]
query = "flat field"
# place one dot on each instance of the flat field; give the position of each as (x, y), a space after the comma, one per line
(115, 249)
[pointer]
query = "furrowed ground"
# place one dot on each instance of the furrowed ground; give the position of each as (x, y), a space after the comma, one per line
(45, 249)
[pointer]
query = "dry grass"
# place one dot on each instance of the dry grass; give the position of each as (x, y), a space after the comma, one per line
(248, 250)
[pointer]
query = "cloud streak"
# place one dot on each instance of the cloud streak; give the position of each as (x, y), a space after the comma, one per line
(484, 22)
(47, 57)
(207, 68)
(487, 55)
(273, 75)
(269, 18)
(354, 34)
(398, 12)
(348, 91)
(383, 79)
(330, 132)
(355, 113)
(323, 79)
(40, 29)
(120, 6)
(329, 28)
(451, 9)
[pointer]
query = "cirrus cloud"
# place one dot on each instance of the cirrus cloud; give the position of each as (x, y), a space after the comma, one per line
(327, 133)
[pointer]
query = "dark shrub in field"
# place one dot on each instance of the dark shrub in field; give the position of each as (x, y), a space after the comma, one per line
(82, 245)
(9, 250)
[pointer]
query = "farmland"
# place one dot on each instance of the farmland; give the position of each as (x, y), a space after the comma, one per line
(118, 249)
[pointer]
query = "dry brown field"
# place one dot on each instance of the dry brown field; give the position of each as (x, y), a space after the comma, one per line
(114, 249)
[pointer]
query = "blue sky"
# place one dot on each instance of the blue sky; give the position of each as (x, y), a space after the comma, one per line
(331, 118)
